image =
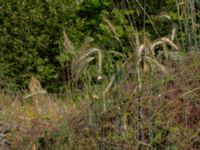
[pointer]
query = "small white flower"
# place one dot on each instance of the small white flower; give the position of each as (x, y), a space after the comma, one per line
(99, 78)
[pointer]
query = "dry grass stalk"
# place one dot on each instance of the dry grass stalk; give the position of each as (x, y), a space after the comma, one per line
(117, 53)
(36, 91)
(111, 26)
(173, 34)
(76, 71)
(108, 88)
(168, 41)
(148, 44)
(145, 56)
(156, 44)
(34, 85)
(154, 61)
(83, 57)
(91, 52)
(163, 43)
(82, 60)
(166, 16)
(86, 44)
(41, 92)
(164, 46)
(140, 50)
(67, 43)
(112, 30)
(140, 59)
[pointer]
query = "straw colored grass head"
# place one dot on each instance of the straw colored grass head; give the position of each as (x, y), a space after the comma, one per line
(82, 57)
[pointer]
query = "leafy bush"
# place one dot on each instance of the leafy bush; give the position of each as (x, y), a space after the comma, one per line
(31, 34)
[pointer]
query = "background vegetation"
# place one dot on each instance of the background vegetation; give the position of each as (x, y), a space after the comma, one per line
(118, 74)
(31, 33)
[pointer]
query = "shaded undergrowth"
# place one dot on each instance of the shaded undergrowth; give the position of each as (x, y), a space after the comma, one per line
(165, 115)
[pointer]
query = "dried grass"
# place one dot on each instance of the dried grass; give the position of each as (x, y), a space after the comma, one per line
(67, 43)
(111, 26)
(82, 57)
(80, 63)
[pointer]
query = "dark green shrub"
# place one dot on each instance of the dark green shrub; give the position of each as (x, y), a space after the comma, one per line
(31, 38)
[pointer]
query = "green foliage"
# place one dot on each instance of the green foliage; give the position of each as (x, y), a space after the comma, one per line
(30, 40)
(31, 34)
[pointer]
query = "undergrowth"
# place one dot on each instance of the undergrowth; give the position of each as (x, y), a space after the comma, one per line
(168, 117)
(145, 98)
